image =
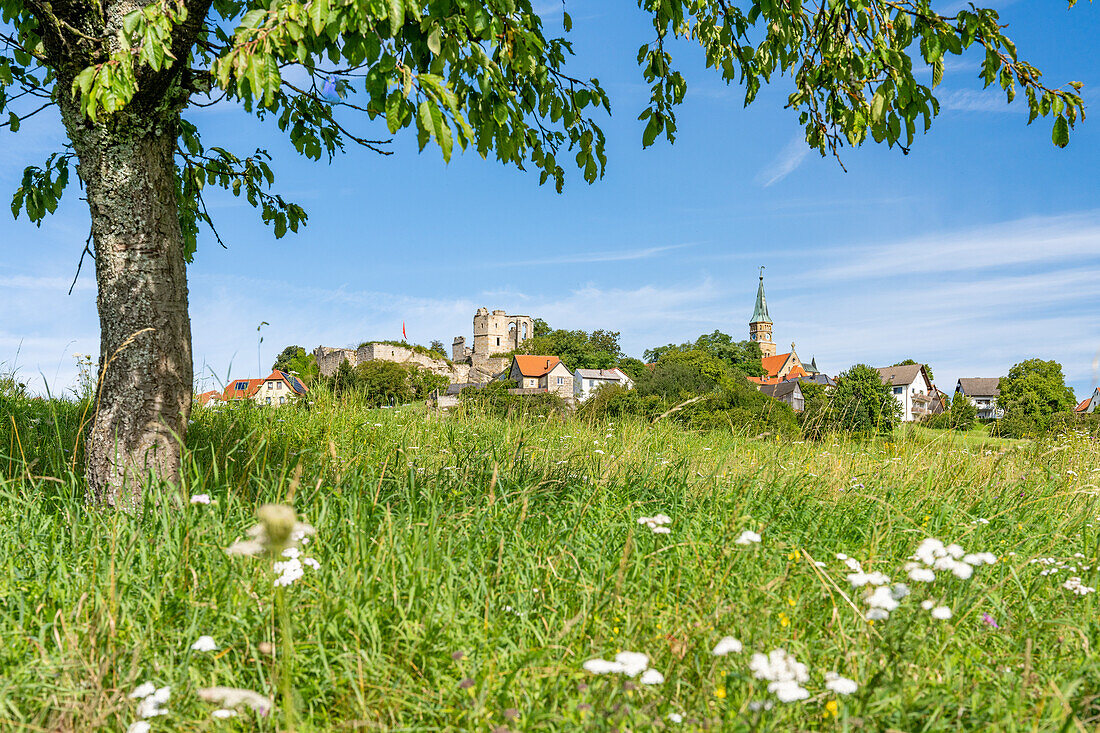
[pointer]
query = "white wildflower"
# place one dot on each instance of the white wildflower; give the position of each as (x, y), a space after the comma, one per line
(922, 575)
(232, 697)
(145, 689)
(633, 663)
(878, 614)
(861, 579)
(222, 714)
(288, 571)
(853, 565)
(651, 677)
(883, 598)
(601, 666)
(785, 673)
(657, 523)
(840, 685)
(200, 499)
(927, 605)
(899, 591)
(980, 558)
(138, 726)
(788, 691)
(1075, 585)
(204, 644)
(676, 717)
(942, 613)
(726, 645)
(747, 537)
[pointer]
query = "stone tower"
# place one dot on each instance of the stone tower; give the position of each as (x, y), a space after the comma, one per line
(499, 333)
(760, 327)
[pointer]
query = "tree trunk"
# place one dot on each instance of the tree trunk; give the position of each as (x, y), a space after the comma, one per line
(127, 165)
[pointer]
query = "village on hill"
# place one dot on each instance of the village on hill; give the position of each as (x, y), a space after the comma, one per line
(509, 352)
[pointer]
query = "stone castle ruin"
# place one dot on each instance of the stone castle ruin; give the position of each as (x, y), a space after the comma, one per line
(495, 334)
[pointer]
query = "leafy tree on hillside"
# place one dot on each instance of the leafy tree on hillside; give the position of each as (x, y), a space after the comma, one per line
(477, 74)
(1031, 393)
(295, 359)
(741, 355)
(576, 349)
(633, 368)
(437, 346)
(862, 403)
(911, 362)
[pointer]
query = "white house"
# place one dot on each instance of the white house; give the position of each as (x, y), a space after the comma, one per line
(912, 389)
(983, 393)
(587, 381)
(1090, 404)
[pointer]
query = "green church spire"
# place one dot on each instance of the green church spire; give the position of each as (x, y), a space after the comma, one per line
(760, 315)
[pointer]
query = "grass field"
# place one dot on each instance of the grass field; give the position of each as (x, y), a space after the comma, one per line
(470, 566)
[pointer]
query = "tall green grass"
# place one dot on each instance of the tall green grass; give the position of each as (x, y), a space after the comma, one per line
(471, 565)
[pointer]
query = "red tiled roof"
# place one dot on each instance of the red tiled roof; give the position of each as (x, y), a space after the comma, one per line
(772, 364)
(535, 366)
(288, 380)
(205, 397)
(232, 393)
(1084, 405)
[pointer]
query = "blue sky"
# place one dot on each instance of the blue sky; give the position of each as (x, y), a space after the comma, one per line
(978, 250)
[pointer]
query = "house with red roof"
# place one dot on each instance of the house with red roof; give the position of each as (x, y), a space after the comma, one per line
(277, 388)
(544, 373)
(208, 398)
(1090, 404)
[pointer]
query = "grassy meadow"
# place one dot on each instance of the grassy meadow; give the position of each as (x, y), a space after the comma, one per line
(469, 566)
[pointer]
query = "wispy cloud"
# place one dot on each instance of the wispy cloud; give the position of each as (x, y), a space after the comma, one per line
(789, 158)
(1038, 239)
(578, 258)
(989, 100)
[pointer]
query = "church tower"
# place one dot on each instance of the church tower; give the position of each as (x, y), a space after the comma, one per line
(760, 327)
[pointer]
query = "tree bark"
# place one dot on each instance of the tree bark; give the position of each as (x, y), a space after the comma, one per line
(127, 165)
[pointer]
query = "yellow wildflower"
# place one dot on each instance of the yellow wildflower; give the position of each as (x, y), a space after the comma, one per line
(720, 693)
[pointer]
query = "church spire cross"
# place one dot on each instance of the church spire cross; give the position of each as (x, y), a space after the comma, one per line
(760, 315)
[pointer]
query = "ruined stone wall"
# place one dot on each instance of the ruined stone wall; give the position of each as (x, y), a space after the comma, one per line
(329, 359)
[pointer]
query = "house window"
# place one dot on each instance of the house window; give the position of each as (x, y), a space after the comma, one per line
(561, 380)
(282, 400)
(269, 400)
(271, 385)
(241, 386)
(498, 340)
(899, 390)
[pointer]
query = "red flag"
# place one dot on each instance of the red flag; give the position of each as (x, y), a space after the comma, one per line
(403, 336)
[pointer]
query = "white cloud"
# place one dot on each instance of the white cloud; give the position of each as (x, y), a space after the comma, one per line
(642, 253)
(1033, 240)
(789, 158)
(989, 100)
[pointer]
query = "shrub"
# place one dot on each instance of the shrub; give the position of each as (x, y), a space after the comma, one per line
(862, 404)
(495, 400)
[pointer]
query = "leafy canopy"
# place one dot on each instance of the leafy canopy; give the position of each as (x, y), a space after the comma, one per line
(742, 355)
(1034, 390)
(484, 75)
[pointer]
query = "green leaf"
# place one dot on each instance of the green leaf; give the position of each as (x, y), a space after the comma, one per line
(652, 130)
(434, 40)
(396, 16)
(1060, 136)
(395, 111)
(13, 121)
